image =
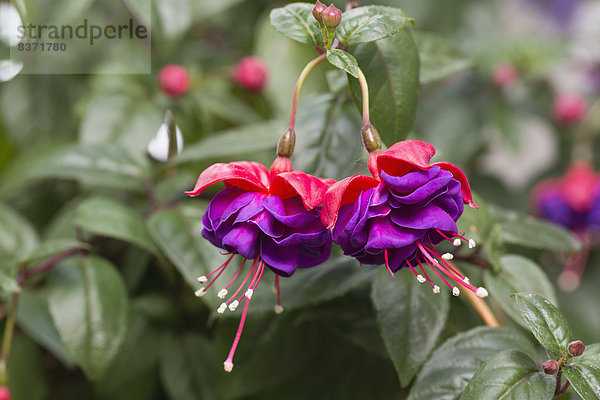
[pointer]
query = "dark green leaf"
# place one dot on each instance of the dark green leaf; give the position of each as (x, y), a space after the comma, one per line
(28, 380)
(97, 165)
(584, 373)
(517, 274)
(50, 248)
(510, 375)
(344, 61)
(34, 318)
(448, 371)
(296, 21)
(391, 67)
(410, 318)
(370, 23)
(17, 235)
(537, 234)
(107, 217)
(439, 57)
(188, 369)
(325, 124)
(546, 322)
(234, 142)
(88, 303)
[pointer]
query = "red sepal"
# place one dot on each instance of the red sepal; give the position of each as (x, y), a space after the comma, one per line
(247, 175)
(460, 177)
(343, 192)
(401, 158)
(310, 189)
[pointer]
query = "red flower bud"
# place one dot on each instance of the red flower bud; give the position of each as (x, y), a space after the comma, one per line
(317, 11)
(174, 80)
(251, 74)
(4, 393)
(550, 367)
(576, 348)
(569, 108)
(332, 17)
(504, 75)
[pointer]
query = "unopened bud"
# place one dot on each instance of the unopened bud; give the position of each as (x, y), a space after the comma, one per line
(550, 367)
(4, 393)
(317, 11)
(174, 80)
(331, 17)
(287, 142)
(576, 348)
(371, 138)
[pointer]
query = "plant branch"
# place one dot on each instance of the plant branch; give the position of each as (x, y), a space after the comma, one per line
(479, 304)
(364, 88)
(307, 69)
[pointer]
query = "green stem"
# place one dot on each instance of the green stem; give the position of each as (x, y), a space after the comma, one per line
(364, 88)
(8, 334)
(307, 69)
(585, 133)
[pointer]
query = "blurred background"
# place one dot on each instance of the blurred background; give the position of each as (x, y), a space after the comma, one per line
(509, 91)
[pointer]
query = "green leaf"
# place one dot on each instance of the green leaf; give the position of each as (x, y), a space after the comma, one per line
(537, 234)
(410, 318)
(344, 61)
(440, 58)
(510, 375)
(546, 322)
(448, 371)
(88, 303)
(94, 165)
(50, 248)
(28, 378)
(517, 274)
(583, 373)
(326, 123)
(34, 318)
(370, 23)
(391, 67)
(17, 235)
(188, 369)
(296, 21)
(107, 217)
(234, 142)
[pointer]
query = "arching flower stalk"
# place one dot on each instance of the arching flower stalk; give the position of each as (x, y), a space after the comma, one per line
(271, 217)
(397, 216)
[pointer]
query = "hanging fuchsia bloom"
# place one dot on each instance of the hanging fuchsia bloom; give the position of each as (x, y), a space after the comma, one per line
(396, 216)
(272, 217)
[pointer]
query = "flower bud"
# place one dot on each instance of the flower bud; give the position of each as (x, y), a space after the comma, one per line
(4, 393)
(569, 108)
(251, 74)
(317, 11)
(287, 142)
(371, 138)
(504, 75)
(550, 367)
(332, 17)
(174, 80)
(576, 348)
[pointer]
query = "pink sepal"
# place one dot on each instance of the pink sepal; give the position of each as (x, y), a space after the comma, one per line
(247, 175)
(401, 158)
(310, 189)
(460, 177)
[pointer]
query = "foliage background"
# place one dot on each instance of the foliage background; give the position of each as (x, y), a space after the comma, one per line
(118, 320)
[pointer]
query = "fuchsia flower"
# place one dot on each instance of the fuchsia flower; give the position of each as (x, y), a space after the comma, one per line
(251, 74)
(272, 217)
(174, 80)
(396, 216)
(505, 75)
(569, 108)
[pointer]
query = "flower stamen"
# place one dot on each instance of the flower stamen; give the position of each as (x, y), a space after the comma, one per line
(228, 364)
(387, 264)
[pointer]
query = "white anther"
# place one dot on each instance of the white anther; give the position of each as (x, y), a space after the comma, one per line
(455, 291)
(200, 292)
(456, 242)
(249, 293)
(466, 280)
(222, 293)
(447, 256)
(436, 289)
(234, 304)
(421, 279)
(228, 365)
(472, 243)
(436, 262)
(202, 279)
(481, 293)
(278, 309)
(222, 308)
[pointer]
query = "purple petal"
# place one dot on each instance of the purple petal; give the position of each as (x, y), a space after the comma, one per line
(243, 239)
